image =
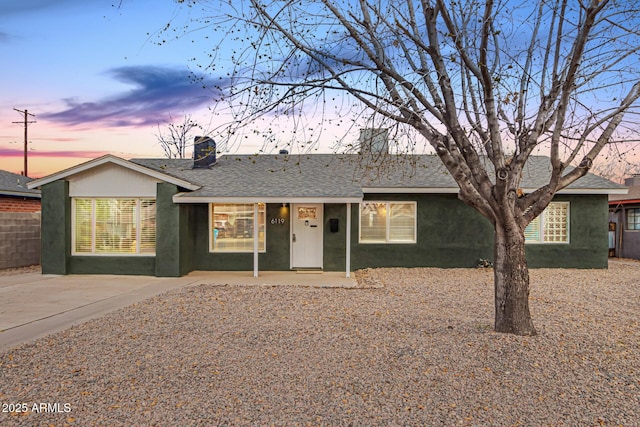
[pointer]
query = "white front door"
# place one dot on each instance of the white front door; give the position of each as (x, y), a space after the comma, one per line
(306, 236)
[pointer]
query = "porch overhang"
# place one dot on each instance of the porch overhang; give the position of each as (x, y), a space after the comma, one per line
(187, 198)
(615, 205)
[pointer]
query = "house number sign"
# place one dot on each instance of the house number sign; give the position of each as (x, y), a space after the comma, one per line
(277, 221)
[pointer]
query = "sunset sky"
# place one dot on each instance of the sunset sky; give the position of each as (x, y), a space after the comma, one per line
(97, 81)
(95, 78)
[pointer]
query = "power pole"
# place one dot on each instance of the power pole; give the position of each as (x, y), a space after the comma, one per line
(26, 123)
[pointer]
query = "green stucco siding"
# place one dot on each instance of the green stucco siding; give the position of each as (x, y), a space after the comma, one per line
(131, 265)
(56, 228)
(335, 243)
(187, 239)
(172, 254)
(588, 242)
(276, 257)
(452, 234)
(56, 241)
(449, 234)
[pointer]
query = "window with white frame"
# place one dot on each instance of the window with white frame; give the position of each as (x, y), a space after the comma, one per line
(388, 222)
(232, 227)
(114, 226)
(633, 219)
(551, 226)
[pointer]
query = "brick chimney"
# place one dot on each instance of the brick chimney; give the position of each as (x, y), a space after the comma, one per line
(204, 152)
(374, 140)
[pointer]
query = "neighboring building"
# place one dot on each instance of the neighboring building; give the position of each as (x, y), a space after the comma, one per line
(15, 196)
(19, 222)
(286, 212)
(624, 221)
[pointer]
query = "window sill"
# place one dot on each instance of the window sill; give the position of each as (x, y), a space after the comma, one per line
(236, 252)
(115, 255)
(408, 242)
(546, 243)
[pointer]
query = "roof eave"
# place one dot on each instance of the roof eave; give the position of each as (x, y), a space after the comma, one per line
(418, 190)
(624, 202)
(455, 190)
(187, 198)
(20, 194)
(589, 191)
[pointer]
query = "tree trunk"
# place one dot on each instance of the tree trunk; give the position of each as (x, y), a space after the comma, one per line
(511, 277)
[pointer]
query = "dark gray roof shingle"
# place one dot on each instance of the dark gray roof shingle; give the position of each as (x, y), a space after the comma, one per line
(13, 184)
(332, 175)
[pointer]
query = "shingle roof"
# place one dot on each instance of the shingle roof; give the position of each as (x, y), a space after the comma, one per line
(278, 176)
(336, 176)
(12, 184)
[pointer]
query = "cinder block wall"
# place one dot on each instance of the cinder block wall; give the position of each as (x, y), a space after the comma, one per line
(19, 239)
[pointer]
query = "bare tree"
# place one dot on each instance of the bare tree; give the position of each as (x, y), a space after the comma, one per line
(485, 83)
(615, 168)
(175, 139)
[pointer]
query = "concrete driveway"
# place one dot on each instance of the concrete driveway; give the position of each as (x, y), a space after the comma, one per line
(34, 305)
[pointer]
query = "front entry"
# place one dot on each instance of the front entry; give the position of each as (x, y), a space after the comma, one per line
(306, 236)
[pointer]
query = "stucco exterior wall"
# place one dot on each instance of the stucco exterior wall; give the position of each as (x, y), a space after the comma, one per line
(276, 257)
(335, 243)
(588, 246)
(452, 234)
(449, 234)
(56, 255)
(56, 228)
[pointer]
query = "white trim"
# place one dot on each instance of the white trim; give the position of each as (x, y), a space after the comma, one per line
(348, 254)
(541, 222)
(411, 190)
(187, 198)
(456, 190)
(320, 225)
(256, 224)
(588, 191)
(290, 209)
(256, 233)
(388, 223)
(138, 225)
(108, 158)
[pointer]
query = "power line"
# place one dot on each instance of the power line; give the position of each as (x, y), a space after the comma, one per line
(26, 123)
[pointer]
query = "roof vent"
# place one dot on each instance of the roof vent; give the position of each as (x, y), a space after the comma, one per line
(204, 152)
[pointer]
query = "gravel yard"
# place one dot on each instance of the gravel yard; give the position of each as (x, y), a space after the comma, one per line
(418, 351)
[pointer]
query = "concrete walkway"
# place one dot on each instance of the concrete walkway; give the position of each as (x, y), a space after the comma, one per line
(34, 305)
